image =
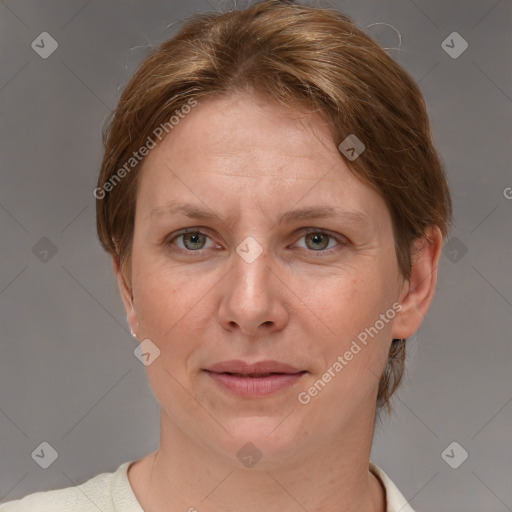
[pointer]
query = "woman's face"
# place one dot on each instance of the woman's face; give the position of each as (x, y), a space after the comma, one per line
(253, 281)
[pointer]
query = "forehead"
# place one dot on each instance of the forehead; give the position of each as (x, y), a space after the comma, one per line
(243, 150)
(249, 128)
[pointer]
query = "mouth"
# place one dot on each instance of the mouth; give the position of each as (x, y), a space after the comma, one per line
(254, 380)
(257, 375)
(239, 367)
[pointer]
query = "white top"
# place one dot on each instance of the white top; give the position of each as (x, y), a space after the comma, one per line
(112, 492)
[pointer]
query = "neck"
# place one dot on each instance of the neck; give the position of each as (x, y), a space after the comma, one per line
(331, 477)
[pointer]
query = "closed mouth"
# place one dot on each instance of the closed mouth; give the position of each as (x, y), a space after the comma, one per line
(258, 375)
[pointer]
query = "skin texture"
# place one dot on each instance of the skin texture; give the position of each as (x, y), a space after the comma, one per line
(302, 301)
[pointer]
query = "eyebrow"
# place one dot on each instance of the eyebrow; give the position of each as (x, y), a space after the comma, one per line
(313, 212)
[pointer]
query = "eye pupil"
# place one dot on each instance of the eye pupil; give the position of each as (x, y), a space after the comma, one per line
(195, 239)
(316, 238)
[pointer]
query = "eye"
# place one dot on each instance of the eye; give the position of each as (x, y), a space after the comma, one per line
(317, 240)
(193, 240)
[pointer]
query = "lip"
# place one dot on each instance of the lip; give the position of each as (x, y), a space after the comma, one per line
(239, 366)
(252, 380)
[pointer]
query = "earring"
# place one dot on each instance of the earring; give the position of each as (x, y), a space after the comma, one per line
(133, 334)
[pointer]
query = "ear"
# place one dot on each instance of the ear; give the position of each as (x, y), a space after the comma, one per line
(418, 292)
(126, 294)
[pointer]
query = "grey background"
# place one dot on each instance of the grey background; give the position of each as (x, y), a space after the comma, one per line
(68, 375)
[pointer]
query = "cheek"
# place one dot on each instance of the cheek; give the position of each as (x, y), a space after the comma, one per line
(342, 304)
(347, 315)
(166, 303)
(171, 316)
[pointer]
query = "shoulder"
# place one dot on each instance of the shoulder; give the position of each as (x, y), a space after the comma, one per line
(93, 495)
(395, 501)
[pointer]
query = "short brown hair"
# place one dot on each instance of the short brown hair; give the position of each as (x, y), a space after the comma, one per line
(295, 55)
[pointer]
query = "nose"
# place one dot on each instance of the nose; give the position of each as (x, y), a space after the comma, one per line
(253, 297)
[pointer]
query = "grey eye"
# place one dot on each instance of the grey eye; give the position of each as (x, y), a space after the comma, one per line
(193, 241)
(319, 241)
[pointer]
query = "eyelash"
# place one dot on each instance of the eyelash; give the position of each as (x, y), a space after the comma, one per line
(343, 242)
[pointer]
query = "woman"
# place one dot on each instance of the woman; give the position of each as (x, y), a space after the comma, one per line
(275, 211)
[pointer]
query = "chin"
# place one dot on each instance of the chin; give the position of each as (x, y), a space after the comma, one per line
(259, 442)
